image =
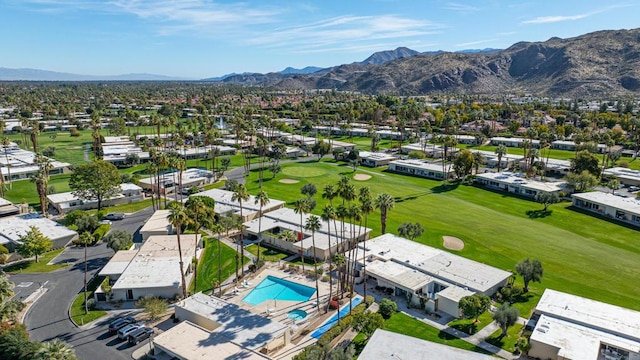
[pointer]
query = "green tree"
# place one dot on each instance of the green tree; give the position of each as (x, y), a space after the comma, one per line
(367, 323)
(410, 231)
(585, 161)
(506, 316)
(478, 159)
(387, 308)
(240, 194)
(613, 185)
(463, 163)
(501, 151)
(9, 309)
(87, 223)
(582, 182)
(97, 180)
(201, 214)
(474, 305)
(34, 243)
(261, 200)
(55, 350)
(321, 148)
(384, 202)
(85, 239)
(15, 344)
(309, 190)
(118, 240)
(547, 198)
(530, 270)
(153, 307)
(178, 217)
(313, 225)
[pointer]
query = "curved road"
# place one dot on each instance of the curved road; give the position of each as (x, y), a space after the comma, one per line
(48, 317)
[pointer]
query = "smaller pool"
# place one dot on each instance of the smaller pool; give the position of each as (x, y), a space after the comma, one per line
(297, 314)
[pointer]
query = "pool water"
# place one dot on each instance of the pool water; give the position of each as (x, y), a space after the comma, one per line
(274, 288)
(297, 314)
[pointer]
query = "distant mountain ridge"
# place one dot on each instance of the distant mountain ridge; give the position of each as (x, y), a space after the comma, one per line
(382, 57)
(26, 74)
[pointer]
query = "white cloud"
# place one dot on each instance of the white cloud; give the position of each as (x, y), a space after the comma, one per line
(552, 19)
(472, 43)
(460, 7)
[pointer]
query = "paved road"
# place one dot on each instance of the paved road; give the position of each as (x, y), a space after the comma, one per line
(48, 318)
(133, 222)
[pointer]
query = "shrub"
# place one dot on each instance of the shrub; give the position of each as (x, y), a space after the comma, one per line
(74, 132)
(333, 304)
(387, 308)
(337, 329)
(416, 155)
(100, 232)
(369, 300)
(3, 250)
(154, 307)
(623, 164)
(91, 304)
(73, 216)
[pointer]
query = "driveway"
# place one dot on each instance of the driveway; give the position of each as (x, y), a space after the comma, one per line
(133, 222)
(48, 318)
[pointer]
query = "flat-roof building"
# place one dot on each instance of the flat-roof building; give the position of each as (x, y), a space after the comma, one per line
(152, 270)
(609, 205)
(416, 271)
(171, 182)
(7, 208)
(625, 176)
(421, 168)
(490, 159)
(13, 227)
(210, 325)
(513, 141)
(517, 184)
(327, 242)
(573, 327)
(21, 164)
(67, 201)
(387, 345)
(375, 159)
(158, 224)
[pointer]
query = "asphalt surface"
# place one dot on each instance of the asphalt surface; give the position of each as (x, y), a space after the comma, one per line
(133, 222)
(48, 317)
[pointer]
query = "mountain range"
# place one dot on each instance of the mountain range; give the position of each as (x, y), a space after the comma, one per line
(603, 63)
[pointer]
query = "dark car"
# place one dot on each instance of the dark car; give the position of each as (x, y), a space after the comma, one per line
(114, 216)
(119, 323)
(139, 335)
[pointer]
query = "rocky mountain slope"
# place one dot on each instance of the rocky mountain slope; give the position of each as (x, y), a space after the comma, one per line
(603, 63)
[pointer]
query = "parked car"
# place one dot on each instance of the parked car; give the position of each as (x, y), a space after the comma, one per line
(127, 330)
(138, 335)
(119, 323)
(114, 216)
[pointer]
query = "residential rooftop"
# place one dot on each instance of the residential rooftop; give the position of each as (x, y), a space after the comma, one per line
(387, 345)
(433, 262)
(517, 180)
(623, 173)
(12, 228)
(627, 204)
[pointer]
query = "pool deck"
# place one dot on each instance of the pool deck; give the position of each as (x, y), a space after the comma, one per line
(278, 309)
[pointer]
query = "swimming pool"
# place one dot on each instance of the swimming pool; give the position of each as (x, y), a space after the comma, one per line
(274, 288)
(297, 314)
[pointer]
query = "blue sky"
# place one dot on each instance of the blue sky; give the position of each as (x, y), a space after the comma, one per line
(202, 38)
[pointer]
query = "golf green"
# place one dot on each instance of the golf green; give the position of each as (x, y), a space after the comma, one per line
(303, 171)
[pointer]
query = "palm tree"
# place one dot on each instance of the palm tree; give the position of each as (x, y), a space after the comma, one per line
(240, 194)
(287, 236)
(85, 239)
(313, 224)
(501, 150)
(179, 164)
(301, 206)
(177, 217)
(478, 158)
(55, 350)
(329, 214)
(366, 207)
(262, 199)
(163, 163)
(5, 144)
(384, 202)
(197, 211)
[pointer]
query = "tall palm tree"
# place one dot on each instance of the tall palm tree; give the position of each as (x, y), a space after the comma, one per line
(501, 151)
(197, 213)
(85, 239)
(262, 199)
(55, 350)
(384, 202)
(328, 215)
(163, 163)
(240, 194)
(313, 225)
(478, 158)
(179, 164)
(366, 207)
(177, 217)
(301, 206)
(5, 144)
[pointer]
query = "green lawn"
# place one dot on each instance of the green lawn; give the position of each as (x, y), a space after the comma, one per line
(208, 266)
(404, 324)
(25, 190)
(581, 254)
(125, 208)
(508, 342)
(31, 266)
(77, 307)
(267, 254)
(469, 326)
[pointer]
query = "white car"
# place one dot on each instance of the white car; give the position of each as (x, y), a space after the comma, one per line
(125, 331)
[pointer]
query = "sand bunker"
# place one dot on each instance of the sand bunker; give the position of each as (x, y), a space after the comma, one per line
(288, 181)
(452, 243)
(362, 177)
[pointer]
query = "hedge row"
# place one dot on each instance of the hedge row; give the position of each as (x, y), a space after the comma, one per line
(345, 323)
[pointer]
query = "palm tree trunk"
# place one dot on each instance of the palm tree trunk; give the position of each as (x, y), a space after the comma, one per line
(301, 236)
(315, 268)
(184, 284)
(86, 306)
